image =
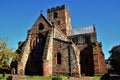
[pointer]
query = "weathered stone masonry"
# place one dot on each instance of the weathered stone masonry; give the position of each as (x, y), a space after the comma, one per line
(68, 65)
(53, 48)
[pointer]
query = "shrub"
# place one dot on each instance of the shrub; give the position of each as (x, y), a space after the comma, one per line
(57, 78)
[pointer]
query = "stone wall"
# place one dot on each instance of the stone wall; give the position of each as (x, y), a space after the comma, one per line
(62, 19)
(25, 54)
(31, 59)
(86, 60)
(47, 55)
(59, 34)
(99, 60)
(68, 66)
(84, 38)
(93, 57)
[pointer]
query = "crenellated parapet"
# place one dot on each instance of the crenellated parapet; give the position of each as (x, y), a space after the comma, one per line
(56, 8)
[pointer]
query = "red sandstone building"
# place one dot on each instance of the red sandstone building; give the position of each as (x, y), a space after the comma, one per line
(53, 48)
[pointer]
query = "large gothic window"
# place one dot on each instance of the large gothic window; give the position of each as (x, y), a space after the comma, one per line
(58, 58)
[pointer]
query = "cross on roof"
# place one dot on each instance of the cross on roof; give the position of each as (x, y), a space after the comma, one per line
(41, 11)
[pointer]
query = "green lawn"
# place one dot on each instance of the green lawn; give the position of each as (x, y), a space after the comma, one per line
(102, 78)
(4, 78)
(50, 78)
(38, 78)
(95, 78)
(33, 77)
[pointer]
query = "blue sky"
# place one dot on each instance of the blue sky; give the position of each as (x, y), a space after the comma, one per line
(18, 16)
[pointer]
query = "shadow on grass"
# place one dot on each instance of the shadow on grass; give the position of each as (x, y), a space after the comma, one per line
(108, 77)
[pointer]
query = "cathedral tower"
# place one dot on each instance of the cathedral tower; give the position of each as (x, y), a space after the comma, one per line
(60, 17)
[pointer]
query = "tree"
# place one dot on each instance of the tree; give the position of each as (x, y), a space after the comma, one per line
(6, 54)
(114, 59)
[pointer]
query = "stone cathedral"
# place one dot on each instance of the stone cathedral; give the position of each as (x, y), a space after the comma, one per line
(53, 48)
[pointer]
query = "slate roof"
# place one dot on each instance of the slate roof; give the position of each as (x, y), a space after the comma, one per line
(84, 30)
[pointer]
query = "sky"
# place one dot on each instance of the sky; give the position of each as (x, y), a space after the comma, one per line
(18, 16)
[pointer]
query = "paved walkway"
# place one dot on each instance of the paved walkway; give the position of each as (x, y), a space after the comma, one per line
(16, 77)
(81, 78)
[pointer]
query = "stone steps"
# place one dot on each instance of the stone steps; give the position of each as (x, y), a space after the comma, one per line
(16, 77)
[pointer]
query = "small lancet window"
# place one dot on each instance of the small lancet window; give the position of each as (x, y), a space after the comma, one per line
(34, 44)
(58, 58)
(41, 26)
(59, 23)
(55, 15)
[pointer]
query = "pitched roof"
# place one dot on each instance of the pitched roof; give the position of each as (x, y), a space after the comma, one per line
(49, 23)
(84, 30)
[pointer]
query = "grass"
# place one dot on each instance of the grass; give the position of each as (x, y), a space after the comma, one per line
(38, 78)
(50, 78)
(4, 78)
(102, 78)
(95, 78)
(33, 77)
(42, 78)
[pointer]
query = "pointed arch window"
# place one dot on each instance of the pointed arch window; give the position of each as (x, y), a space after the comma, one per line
(34, 44)
(58, 58)
(41, 26)
(59, 22)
